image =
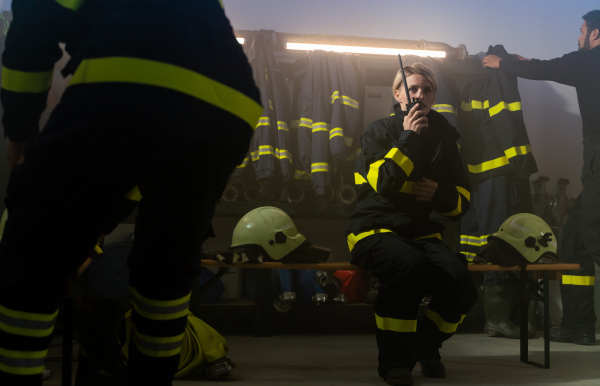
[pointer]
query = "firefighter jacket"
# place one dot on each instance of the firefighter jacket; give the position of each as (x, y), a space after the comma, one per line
(329, 117)
(391, 161)
(86, 27)
(270, 150)
(494, 138)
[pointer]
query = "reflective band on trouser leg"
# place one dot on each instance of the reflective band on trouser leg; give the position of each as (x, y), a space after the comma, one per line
(442, 325)
(160, 314)
(29, 331)
(396, 325)
(579, 280)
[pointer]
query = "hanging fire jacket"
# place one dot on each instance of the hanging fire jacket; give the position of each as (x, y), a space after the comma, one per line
(329, 117)
(391, 161)
(494, 138)
(270, 150)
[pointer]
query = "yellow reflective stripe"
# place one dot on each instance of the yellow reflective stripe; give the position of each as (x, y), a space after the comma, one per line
(464, 192)
(477, 241)
(458, 210)
(474, 105)
(160, 309)
(281, 125)
(320, 126)
(345, 100)
(350, 102)
(373, 174)
(153, 73)
(396, 325)
(266, 149)
(27, 323)
(579, 280)
(501, 161)
(263, 121)
(462, 318)
(71, 4)
(337, 132)
(431, 236)
(353, 239)
(319, 167)
(441, 108)
(348, 141)
(401, 160)
(244, 163)
(442, 325)
(157, 347)
(359, 179)
(305, 122)
(301, 175)
(407, 187)
(22, 362)
(515, 106)
(134, 194)
(25, 81)
(98, 249)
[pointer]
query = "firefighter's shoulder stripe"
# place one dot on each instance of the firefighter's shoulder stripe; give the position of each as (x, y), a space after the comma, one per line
(160, 74)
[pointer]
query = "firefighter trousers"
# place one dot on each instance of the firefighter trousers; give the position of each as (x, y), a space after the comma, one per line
(580, 243)
(100, 142)
(408, 270)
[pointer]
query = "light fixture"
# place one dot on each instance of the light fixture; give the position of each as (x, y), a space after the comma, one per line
(240, 40)
(364, 50)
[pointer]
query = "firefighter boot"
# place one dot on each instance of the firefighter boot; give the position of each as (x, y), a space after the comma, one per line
(497, 309)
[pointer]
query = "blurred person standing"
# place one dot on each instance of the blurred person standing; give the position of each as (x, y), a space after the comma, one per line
(580, 242)
(159, 92)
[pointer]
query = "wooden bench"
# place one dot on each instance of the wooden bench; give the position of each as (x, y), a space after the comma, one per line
(537, 289)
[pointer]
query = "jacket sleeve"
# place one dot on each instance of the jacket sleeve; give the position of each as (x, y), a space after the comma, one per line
(387, 170)
(31, 51)
(570, 69)
(452, 198)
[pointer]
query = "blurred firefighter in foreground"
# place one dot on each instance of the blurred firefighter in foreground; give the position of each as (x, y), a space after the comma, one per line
(580, 241)
(145, 106)
(410, 166)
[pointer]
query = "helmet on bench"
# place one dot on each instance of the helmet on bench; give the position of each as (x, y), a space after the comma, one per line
(522, 239)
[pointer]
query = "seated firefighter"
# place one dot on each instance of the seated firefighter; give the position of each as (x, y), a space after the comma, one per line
(409, 166)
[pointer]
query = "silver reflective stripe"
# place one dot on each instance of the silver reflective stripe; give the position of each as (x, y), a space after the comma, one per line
(22, 362)
(160, 309)
(159, 347)
(26, 323)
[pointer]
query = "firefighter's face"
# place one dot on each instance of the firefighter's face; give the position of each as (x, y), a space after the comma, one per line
(418, 87)
(584, 38)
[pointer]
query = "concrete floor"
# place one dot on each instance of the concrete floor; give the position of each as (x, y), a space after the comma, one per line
(471, 358)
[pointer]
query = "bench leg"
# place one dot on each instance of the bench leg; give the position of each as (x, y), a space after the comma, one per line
(533, 291)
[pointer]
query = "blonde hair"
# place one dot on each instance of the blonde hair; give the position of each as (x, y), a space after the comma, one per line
(415, 68)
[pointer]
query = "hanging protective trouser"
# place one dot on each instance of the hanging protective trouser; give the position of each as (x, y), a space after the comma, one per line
(580, 243)
(169, 108)
(407, 271)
